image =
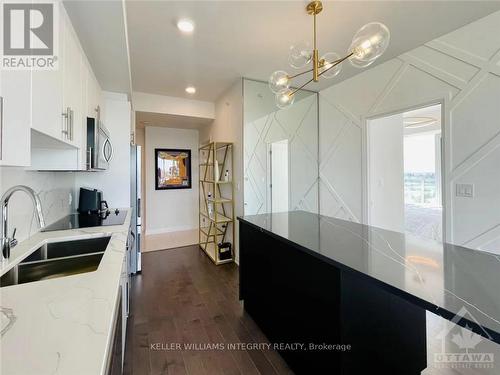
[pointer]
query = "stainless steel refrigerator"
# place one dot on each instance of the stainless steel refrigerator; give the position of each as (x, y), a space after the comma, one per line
(135, 199)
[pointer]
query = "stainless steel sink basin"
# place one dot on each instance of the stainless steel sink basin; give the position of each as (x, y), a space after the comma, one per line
(58, 259)
(69, 248)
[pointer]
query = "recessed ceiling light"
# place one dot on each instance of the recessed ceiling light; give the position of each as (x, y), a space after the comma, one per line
(191, 90)
(185, 25)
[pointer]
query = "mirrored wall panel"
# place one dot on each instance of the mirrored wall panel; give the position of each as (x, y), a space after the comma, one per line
(280, 151)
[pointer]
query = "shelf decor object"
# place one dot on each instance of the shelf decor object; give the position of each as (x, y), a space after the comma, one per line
(369, 43)
(216, 201)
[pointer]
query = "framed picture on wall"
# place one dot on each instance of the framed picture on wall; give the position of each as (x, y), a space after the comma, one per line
(173, 169)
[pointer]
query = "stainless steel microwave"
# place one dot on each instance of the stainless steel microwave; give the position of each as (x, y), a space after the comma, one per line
(99, 146)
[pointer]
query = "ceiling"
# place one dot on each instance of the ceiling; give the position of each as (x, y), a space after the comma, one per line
(144, 119)
(432, 112)
(251, 38)
(100, 26)
(259, 100)
(236, 39)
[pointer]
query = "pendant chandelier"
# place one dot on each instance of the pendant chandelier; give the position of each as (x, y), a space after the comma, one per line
(367, 45)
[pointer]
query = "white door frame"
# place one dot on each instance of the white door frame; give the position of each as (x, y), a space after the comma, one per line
(446, 192)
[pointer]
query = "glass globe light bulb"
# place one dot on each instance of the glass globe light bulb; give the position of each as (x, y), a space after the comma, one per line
(279, 81)
(368, 44)
(300, 55)
(285, 99)
(329, 58)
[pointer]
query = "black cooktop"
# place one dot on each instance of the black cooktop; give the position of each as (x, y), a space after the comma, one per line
(75, 221)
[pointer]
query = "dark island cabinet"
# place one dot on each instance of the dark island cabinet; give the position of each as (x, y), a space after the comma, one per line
(338, 321)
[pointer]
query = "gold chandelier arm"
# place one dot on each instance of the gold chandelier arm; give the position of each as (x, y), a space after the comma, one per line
(301, 87)
(336, 62)
(299, 74)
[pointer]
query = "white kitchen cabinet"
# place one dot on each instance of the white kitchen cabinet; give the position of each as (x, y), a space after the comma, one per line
(15, 112)
(58, 94)
(72, 87)
(47, 94)
(93, 94)
(63, 100)
(47, 103)
(125, 288)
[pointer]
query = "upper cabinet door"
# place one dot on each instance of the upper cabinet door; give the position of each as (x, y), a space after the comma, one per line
(72, 86)
(47, 94)
(62, 101)
(15, 117)
(93, 95)
(58, 94)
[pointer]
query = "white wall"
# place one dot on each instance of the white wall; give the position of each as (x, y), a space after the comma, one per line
(115, 181)
(385, 173)
(53, 188)
(460, 69)
(170, 210)
(172, 105)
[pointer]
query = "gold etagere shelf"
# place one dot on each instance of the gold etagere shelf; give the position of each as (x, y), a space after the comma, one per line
(216, 201)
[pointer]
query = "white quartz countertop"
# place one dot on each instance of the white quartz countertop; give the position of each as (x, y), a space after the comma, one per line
(62, 325)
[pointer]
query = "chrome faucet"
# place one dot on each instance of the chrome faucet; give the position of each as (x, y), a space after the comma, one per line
(6, 242)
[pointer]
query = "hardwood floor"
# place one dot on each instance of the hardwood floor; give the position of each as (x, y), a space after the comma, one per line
(154, 242)
(182, 298)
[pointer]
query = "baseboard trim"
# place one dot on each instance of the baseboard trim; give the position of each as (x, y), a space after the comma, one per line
(169, 230)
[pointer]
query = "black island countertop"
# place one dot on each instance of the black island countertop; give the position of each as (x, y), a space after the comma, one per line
(445, 279)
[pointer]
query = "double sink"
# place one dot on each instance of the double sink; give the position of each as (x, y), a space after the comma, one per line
(58, 259)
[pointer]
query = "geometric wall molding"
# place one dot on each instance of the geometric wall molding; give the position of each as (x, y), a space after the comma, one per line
(299, 125)
(462, 70)
(484, 151)
(473, 118)
(483, 240)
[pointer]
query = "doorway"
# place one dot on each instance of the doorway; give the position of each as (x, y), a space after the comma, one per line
(404, 172)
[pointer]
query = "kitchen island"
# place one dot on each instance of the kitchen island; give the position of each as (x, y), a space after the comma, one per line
(66, 325)
(312, 279)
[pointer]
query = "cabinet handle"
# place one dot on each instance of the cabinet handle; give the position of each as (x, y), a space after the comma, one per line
(1, 127)
(65, 123)
(68, 124)
(71, 129)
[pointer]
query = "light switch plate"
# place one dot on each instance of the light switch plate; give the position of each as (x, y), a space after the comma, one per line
(465, 190)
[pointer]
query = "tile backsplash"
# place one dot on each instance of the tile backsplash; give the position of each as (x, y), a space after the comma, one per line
(54, 189)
